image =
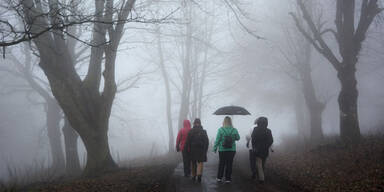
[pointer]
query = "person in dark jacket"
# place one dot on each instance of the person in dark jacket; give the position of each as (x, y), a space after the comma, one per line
(180, 143)
(261, 142)
(197, 146)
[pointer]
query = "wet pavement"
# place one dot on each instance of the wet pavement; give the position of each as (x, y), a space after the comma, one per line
(240, 183)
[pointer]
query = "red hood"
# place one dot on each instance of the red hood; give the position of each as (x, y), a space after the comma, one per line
(187, 125)
(182, 135)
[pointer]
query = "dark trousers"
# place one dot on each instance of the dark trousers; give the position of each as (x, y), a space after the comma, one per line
(187, 164)
(252, 161)
(225, 163)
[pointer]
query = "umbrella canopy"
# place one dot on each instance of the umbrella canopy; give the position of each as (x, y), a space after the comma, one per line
(231, 110)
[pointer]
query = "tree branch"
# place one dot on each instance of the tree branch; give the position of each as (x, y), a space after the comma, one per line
(322, 47)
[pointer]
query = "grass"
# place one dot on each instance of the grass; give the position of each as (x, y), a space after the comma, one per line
(141, 174)
(18, 177)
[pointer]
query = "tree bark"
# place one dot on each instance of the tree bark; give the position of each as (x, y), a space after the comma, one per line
(300, 117)
(187, 81)
(87, 109)
(349, 121)
(195, 86)
(167, 93)
(169, 117)
(317, 134)
(185, 98)
(350, 39)
(99, 159)
(202, 83)
(193, 103)
(72, 166)
(53, 118)
(302, 63)
(208, 31)
(315, 107)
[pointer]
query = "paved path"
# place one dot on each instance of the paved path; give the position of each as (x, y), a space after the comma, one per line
(208, 182)
(240, 183)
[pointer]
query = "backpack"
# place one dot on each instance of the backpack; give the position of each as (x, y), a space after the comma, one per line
(199, 140)
(228, 140)
(260, 139)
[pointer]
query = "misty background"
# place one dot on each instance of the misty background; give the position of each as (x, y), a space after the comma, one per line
(242, 70)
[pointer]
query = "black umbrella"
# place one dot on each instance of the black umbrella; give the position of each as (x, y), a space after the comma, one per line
(231, 110)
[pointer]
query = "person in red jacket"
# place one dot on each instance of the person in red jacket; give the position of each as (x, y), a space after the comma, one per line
(180, 142)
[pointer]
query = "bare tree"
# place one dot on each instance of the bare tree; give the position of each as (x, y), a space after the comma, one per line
(26, 70)
(201, 63)
(167, 88)
(72, 162)
(298, 56)
(186, 65)
(197, 47)
(349, 39)
(194, 43)
(87, 109)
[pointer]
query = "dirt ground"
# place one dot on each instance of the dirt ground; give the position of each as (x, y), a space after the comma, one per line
(139, 179)
(334, 166)
(161, 175)
(140, 175)
(331, 167)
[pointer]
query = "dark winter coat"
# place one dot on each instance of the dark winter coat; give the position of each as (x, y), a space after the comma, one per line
(197, 144)
(261, 141)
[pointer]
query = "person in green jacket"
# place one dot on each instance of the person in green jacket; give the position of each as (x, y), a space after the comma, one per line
(226, 144)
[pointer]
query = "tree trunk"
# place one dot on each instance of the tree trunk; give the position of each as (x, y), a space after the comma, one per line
(315, 107)
(350, 45)
(167, 93)
(349, 121)
(202, 83)
(87, 109)
(169, 118)
(186, 90)
(209, 25)
(300, 117)
(316, 124)
(195, 92)
(350, 38)
(53, 129)
(184, 106)
(72, 166)
(99, 159)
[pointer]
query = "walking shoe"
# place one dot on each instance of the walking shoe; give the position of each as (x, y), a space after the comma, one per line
(199, 178)
(253, 175)
(228, 181)
(219, 180)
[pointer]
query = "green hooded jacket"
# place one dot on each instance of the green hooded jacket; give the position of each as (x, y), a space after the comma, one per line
(221, 133)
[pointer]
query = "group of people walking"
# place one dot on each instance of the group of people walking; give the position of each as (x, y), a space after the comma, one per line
(194, 143)
(194, 146)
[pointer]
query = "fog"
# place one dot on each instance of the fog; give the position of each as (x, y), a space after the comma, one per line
(241, 70)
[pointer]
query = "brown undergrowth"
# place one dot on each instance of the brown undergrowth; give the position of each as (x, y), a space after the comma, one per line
(334, 166)
(141, 175)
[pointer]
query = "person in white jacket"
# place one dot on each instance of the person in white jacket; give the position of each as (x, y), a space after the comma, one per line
(252, 157)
